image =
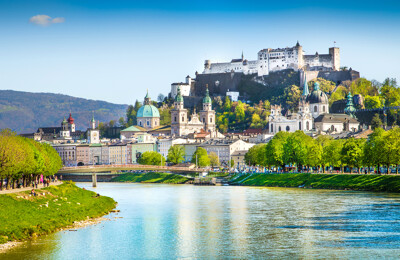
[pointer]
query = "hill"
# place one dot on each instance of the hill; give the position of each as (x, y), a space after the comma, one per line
(24, 112)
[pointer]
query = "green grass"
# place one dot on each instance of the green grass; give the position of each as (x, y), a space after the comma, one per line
(387, 183)
(23, 217)
(151, 177)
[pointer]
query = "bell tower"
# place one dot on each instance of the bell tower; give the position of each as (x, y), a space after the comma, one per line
(207, 115)
(179, 116)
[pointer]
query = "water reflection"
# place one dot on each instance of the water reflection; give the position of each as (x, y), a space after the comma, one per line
(183, 221)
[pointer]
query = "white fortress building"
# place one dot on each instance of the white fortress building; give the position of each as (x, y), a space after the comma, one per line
(269, 60)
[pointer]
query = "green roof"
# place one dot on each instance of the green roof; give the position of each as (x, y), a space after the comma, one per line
(134, 128)
(148, 111)
(207, 98)
(95, 145)
(178, 97)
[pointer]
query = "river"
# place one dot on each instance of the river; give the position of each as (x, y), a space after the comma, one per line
(160, 221)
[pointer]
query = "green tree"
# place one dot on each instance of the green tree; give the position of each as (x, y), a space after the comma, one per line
(373, 148)
(352, 153)
(256, 155)
(295, 149)
(292, 96)
(324, 84)
(214, 160)
(274, 150)
(152, 158)
(372, 102)
(202, 157)
(227, 104)
(376, 121)
(176, 154)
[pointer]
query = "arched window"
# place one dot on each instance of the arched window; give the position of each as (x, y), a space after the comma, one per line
(299, 125)
(183, 119)
(210, 119)
(148, 123)
(140, 123)
(272, 127)
(308, 125)
(280, 129)
(175, 119)
(323, 108)
(204, 120)
(315, 109)
(287, 129)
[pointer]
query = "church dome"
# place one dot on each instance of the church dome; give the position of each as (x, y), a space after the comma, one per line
(207, 98)
(317, 95)
(148, 111)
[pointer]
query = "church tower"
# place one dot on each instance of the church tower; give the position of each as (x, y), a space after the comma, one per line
(179, 117)
(64, 133)
(71, 124)
(93, 134)
(207, 115)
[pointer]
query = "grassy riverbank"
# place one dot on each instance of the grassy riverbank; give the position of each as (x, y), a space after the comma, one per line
(387, 183)
(23, 216)
(151, 177)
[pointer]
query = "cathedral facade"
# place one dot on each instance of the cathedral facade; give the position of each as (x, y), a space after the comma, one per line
(205, 120)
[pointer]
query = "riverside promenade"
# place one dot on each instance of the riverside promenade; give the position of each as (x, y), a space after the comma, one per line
(40, 186)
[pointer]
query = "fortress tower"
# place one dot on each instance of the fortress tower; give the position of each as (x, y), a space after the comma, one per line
(334, 52)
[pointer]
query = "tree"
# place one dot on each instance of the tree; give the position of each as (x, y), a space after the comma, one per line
(372, 102)
(202, 157)
(274, 150)
(121, 121)
(292, 96)
(314, 153)
(376, 121)
(324, 84)
(295, 149)
(152, 158)
(176, 154)
(227, 104)
(160, 97)
(352, 153)
(256, 155)
(214, 160)
(331, 153)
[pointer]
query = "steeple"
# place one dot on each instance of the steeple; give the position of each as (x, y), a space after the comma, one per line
(305, 86)
(350, 109)
(207, 98)
(242, 56)
(147, 99)
(93, 122)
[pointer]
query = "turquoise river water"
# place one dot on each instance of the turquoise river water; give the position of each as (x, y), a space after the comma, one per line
(158, 221)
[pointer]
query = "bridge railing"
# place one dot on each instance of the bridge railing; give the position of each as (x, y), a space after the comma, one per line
(131, 166)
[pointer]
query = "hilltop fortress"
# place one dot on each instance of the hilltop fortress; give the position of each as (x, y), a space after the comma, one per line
(273, 69)
(269, 60)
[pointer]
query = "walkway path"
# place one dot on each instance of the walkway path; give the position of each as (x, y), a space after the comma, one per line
(40, 186)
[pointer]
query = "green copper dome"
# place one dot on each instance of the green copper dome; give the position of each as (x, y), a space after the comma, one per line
(317, 96)
(148, 111)
(207, 98)
(178, 97)
(64, 122)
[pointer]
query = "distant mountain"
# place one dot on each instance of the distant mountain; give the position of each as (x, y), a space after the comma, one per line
(24, 112)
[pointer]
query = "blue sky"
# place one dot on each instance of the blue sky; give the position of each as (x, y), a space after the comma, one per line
(115, 50)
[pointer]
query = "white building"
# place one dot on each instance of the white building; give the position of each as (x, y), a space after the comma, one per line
(67, 153)
(183, 86)
(269, 60)
(233, 95)
(163, 145)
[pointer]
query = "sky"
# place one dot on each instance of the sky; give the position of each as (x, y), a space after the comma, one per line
(116, 50)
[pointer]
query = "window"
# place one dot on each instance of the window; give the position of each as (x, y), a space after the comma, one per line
(308, 125)
(280, 129)
(323, 108)
(204, 120)
(140, 123)
(175, 119)
(315, 109)
(287, 129)
(210, 119)
(148, 123)
(299, 125)
(183, 119)
(272, 127)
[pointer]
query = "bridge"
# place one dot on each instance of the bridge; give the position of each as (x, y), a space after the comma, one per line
(114, 168)
(107, 172)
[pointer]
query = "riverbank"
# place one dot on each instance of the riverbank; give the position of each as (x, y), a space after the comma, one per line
(385, 183)
(151, 177)
(24, 216)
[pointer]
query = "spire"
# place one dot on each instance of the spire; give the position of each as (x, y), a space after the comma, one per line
(147, 99)
(305, 86)
(178, 97)
(147, 94)
(93, 121)
(350, 109)
(242, 56)
(316, 86)
(207, 98)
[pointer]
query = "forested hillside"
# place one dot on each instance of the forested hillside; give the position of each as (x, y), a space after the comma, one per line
(24, 112)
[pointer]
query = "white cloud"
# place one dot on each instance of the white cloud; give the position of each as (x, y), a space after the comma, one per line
(45, 20)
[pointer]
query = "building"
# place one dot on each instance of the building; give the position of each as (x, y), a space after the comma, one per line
(224, 148)
(131, 132)
(93, 134)
(118, 153)
(67, 154)
(233, 95)
(182, 126)
(269, 60)
(148, 115)
(313, 114)
(82, 155)
(238, 158)
(163, 144)
(185, 87)
(143, 143)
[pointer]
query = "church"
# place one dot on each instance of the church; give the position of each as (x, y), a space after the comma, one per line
(181, 125)
(313, 114)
